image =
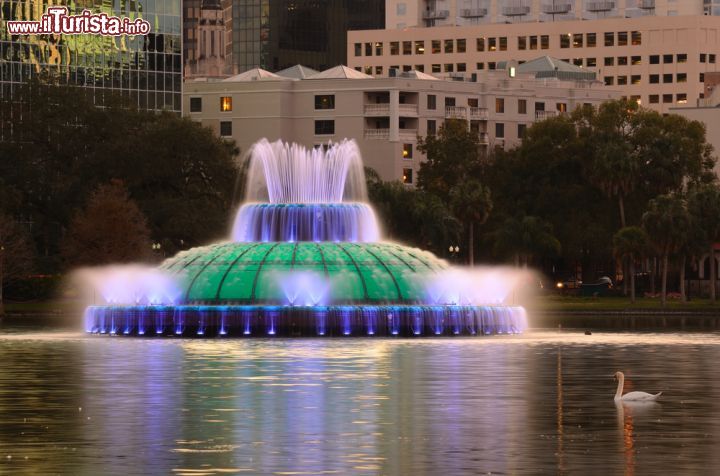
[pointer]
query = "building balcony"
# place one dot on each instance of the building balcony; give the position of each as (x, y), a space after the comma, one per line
(479, 113)
(515, 10)
(377, 109)
(473, 12)
(455, 112)
(646, 4)
(377, 134)
(556, 8)
(408, 109)
(407, 134)
(542, 115)
(436, 14)
(600, 6)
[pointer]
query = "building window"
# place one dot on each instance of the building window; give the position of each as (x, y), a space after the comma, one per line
(636, 38)
(436, 68)
(461, 67)
(654, 99)
(635, 79)
(225, 128)
(636, 60)
(500, 105)
(420, 67)
(681, 78)
(448, 67)
(654, 79)
(667, 78)
(681, 98)
(703, 57)
(667, 59)
(544, 42)
(436, 47)
(561, 107)
(565, 40)
(492, 44)
(609, 60)
(635, 99)
(591, 62)
(358, 49)
(682, 58)
(407, 47)
(591, 40)
(449, 101)
(448, 46)
(431, 127)
(622, 61)
(195, 104)
(667, 98)
(406, 68)
(578, 61)
(461, 46)
(522, 43)
(622, 38)
(491, 65)
(499, 130)
(533, 42)
(324, 128)
(378, 70)
(432, 101)
(368, 70)
(702, 77)
(480, 66)
(712, 59)
(503, 43)
(419, 47)
(578, 40)
(394, 48)
(325, 101)
(609, 38)
(654, 59)
(407, 176)
(609, 80)
(407, 151)
(522, 106)
(368, 49)
(622, 80)
(521, 130)
(225, 103)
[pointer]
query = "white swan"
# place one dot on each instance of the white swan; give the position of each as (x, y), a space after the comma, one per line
(632, 396)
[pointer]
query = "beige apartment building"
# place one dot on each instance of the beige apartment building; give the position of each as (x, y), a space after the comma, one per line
(658, 57)
(411, 13)
(386, 115)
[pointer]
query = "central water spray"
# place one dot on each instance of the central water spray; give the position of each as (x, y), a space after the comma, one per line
(306, 258)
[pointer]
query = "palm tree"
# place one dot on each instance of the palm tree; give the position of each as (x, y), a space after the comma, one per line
(630, 243)
(704, 207)
(526, 238)
(471, 203)
(665, 222)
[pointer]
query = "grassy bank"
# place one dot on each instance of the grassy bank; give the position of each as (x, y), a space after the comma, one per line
(60, 306)
(559, 303)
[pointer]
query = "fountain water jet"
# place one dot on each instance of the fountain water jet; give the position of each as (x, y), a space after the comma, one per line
(306, 259)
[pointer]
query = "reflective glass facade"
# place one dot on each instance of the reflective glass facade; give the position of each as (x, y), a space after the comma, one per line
(145, 69)
(278, 34)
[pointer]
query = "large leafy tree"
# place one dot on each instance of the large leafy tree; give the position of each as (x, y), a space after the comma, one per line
(631, 244)
(525, 239)
(704, 208)
(665, 222)
(55, 153)
(16, 252)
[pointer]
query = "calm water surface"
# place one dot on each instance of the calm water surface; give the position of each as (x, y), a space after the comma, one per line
(534, 404)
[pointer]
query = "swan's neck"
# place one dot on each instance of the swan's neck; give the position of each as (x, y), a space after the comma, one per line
(621, 383)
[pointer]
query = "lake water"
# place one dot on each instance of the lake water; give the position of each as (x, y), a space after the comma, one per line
(540, 403)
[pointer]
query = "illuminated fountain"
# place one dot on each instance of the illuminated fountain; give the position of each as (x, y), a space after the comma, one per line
(305, 259)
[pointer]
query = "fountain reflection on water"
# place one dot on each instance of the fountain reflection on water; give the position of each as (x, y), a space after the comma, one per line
(306, 259)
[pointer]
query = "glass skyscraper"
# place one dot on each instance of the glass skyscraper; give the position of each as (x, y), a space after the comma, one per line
(145, 69)
(277, 34)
